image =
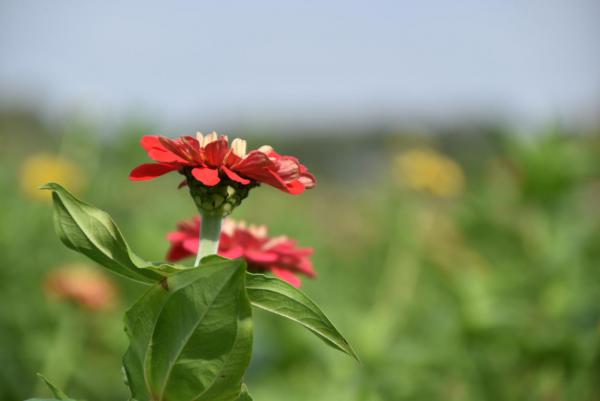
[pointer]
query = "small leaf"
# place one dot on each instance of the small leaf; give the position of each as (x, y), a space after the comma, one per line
(244, 395)
(277, 296)
(56, 392)
(191, 336)
(92, 232)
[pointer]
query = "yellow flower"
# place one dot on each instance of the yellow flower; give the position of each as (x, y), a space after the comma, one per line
(41, 168)
(429, 171)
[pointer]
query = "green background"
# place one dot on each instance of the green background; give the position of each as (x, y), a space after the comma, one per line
(489, 295)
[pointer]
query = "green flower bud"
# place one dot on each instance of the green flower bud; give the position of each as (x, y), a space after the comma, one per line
(218, 200)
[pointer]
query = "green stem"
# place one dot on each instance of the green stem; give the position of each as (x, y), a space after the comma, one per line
(210, 232)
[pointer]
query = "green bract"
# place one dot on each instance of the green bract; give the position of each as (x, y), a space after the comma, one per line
(190, 333)
(218, 200)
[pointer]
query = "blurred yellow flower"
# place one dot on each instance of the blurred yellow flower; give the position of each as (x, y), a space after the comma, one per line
(41, 168)
(427, 170)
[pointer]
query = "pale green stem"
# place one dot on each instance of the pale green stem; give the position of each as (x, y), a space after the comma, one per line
(210, 232)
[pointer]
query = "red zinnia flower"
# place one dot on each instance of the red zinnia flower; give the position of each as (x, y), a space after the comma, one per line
(210, 159)
(280, 255)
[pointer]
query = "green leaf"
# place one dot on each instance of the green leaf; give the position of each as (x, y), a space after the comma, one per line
(56, 392)
(244, 395)
(92, 232)
(44, 399)
(191, 335)
(277, 296)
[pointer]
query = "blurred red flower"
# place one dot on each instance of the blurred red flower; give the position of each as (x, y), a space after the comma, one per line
(83, 285)
(210, 159)
(279, 255)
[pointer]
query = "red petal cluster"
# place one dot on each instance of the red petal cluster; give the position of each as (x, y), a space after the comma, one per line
(279, 255)
(211, 158)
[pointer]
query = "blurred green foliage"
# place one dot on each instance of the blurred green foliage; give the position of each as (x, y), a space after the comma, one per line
(493, 294)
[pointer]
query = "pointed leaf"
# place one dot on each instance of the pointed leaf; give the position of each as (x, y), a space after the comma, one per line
(244, 395)
(91, 231)
(56, 392)
(277, 296)
(191, 336)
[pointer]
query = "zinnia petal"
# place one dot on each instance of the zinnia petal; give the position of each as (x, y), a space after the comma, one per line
(207, 176)
(216, 151)
(150, 171)
(177, 252)
(258, 256)
(234, 176)
(191, 245)
(307, 179)
(233, 252)
(157, 151)
(306, 267)
(150, 142)
(177, 236)
(287, 276)
(258, 166)
(179, 149)
(255, 162)
(295, 187)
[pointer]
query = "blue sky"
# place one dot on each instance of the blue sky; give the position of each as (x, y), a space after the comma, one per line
(309, 61)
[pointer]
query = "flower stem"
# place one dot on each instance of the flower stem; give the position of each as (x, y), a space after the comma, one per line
(210, 232)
